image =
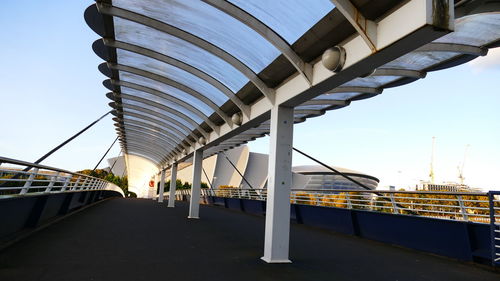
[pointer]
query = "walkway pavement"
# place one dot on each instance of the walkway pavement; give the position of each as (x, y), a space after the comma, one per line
(134, 239)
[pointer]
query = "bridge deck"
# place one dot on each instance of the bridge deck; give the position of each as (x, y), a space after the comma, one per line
(133, 239)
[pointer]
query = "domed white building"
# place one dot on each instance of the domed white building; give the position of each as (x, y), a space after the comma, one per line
(319, 177)
(220, 170)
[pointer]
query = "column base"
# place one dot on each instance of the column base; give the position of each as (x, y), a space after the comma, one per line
(170, 206)
(268, 260)
(190, 217)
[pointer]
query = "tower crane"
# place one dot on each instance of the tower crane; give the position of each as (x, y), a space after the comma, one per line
(460, 167)
(431, 174)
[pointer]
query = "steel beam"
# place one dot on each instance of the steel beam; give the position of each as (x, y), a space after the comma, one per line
(162, 186)
(194, 204)
(367, 29)
(399, 72)
(456, 48)
(309, 111)
(361, 90)
(327, 102)
(173, 185)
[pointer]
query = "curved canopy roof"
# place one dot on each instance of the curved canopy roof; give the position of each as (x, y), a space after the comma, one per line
(189, 74)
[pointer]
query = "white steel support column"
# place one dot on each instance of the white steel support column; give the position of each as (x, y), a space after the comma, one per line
(279, 183)
(194, 205)
(173, 185)
(152, 190)
(162, 186)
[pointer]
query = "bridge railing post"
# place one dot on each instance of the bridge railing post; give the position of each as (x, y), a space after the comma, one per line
(53, 180)
(29, 181)
(494, 229)
(463, 210)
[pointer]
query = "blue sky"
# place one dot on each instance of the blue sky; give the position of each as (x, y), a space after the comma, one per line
(50, 88)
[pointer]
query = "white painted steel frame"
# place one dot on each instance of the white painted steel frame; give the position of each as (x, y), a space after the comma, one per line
(173, 185)
(194, 204)
(162, 186)
(57, 180)
(277, 232)
(405, 29)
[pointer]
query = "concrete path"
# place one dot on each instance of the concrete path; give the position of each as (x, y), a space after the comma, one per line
(139, 240)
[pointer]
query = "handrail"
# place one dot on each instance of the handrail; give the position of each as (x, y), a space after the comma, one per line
(459, 206)
(25, 163)
(395, 191)
(477, 207)
(40, 179)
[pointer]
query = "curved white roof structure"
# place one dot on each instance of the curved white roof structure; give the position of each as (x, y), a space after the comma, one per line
(192, 78)
(195, 74)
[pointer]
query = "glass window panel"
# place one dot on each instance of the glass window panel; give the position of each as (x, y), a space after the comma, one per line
(420, 60)
(210, 24)
(339, 96)
(371, 81)
(139, 153)
(282, 15)
(133, 118)
(475, 30)
(312, 107)
(300, 115)
(146, 37)
(169, 104)
(151, 132)
(169, 90)
(154, 111)
(142, 149)
(145, 138)
(167, 114)
(174, 73)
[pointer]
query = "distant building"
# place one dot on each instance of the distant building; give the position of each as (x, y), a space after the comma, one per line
(445, 187)
(253, 166)
(226, 169)
(118, 164)
(319, 177)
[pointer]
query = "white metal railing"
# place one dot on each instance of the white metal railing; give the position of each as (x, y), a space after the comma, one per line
(462, 206)
(494, 226)
(15, 181)
(458, 206)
